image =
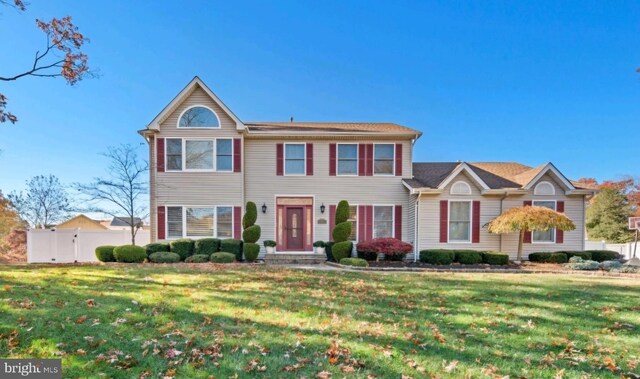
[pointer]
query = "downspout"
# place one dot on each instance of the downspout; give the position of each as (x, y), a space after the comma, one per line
(417, 229)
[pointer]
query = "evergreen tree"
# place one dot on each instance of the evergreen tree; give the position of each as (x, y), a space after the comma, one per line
(607, 217)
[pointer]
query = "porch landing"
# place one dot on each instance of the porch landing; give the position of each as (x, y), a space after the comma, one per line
(294, 258)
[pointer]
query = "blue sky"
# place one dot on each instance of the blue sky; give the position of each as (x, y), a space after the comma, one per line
(485, 81)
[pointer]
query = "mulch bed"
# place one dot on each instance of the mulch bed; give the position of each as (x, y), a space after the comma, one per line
(455, 266)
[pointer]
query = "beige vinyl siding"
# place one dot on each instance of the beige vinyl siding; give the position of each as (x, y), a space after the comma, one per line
(410, 227)
(263, 185)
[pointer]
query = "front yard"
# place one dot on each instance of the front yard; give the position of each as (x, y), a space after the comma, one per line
(213, 321)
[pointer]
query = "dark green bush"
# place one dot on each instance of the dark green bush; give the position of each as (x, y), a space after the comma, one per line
(232, 246)
(156, 247)
(467, 257)
(164, 257)
(129, 254)
(207, 246)
(251, 234)
(328, 247)
(586, 255)
(437, 256)
(198, 258)
(603, 255)
(367, 255)
(341, 232)
(342, 212)
(342, 250)
(548, 257)
(358, 262)
(222, 257)
(105, 253)
(251, 251)
(495, 258)
(250, 215)
(183, 247)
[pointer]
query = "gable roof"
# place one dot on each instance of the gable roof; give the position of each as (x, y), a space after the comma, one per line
(124, 221)
(81, 216)
(372, 128)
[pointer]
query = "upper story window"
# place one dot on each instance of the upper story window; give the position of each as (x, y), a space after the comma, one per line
(198, 117)
(174, 154)
(460, 188)
(459, 221)
(348, 159)
(294, 163)
(383, 159)
(544, 188)
(382, 221)
(199, 154)
(224, 155)
(544, 235)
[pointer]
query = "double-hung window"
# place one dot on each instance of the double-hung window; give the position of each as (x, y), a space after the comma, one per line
(353, 219)
(199, 222)
(294, 163)
(174, 222)
(224, 155)
(348, 159)
(174, 154)
(460, 221)
(383, 155)
(382, 221)
(544, 235)
(224, 222)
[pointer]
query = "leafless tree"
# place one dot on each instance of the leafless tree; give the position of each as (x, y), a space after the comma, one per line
(45, 202)
(122, 191)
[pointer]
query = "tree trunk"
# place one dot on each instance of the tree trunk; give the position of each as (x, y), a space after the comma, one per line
(520, 242)
(133, 235)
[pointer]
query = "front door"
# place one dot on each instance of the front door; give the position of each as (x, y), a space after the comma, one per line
(294, 232)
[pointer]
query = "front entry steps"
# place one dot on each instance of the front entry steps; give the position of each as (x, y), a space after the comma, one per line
(294, 258)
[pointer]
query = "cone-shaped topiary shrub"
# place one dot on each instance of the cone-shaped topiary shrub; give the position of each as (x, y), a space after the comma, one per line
(251, 234)
(130, 254)
(183, 247)
(222, 257)
(105, 253)
(250, 215)
(164, 257)
(341, 232)
(342, 212)
(207, 246)
(251, 251)
(342, 250)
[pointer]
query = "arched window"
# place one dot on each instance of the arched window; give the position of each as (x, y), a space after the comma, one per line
(198, 116)
(460, 188)
(544, 188)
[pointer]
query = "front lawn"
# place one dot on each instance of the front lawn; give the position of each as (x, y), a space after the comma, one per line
(152, 321)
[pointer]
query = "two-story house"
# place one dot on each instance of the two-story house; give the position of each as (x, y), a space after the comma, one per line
(205, 164)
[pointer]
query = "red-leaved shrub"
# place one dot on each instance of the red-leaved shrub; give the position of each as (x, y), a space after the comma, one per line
(392, 248)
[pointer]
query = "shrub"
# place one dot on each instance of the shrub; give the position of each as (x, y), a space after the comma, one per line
(207, 246)
(319, 244)
(222, 257)
(354, 262)
(577, 263)
(164, 257)
(548, 257)
(437, 256)
(232, 246)
(341, 232)
(603, 255)
(183, 247)
(341, 250)
(251, 251)
(105, 253)
(328, 250)
(467, 257)
(269, 243)
(250, 215)
(129, 254)
(156, 247)
(342, 212)
(251, 234)
(366, 255)
(495, 258)
(198, 258)
(586, 255)
(610, 265)
(392, 248)
(629, 269)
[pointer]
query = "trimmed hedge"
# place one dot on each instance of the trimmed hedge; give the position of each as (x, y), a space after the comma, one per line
(341, 232)
(467, 257)
(232, 246)
(251, 234)
(342, 250)
(250, 215)
(547, 257)
(358, 262)
(251, 251)
(197, 258)
(603, 255)
(342, 212)
(156, 247)
(164, 257)
(437, 256)
(495, 258)
(392, 248)
(206, 246)
(328, 250)
(586, 255)
(183, 247)
(222, 257)
(105, 253)
(129, 254)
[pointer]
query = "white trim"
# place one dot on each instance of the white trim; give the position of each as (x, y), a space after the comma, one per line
(357, 158)
(184, 221)
(183, 157)
(550, 167)
(467, 191)
(357, 221)
(284, 158)
(393, 220)
(469, 241)
(545, 183)
(553, 234)
(215, 154)
(166, 144)
(393, 159)
(313, 215)
(198, 127)
(463, 167)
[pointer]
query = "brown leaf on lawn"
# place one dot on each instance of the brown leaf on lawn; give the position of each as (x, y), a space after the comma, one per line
(91, 303)
(170, 373)
(323, 375)
(81, 319)
(559, 374)
(347, 369)
(437, 335)
(610, 364)
(451, 366)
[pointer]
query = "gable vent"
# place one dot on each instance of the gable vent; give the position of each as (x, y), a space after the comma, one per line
(545, 189)
(460, 188)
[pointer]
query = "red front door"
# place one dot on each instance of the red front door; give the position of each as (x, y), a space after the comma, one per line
(294, 230)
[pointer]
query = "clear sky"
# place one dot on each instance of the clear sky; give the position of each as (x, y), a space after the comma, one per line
(485, 81)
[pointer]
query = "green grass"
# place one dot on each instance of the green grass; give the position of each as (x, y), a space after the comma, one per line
(150, 321)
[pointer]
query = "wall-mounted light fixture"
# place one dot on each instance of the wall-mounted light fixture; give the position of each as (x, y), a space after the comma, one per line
(264, 208)
(322, 208)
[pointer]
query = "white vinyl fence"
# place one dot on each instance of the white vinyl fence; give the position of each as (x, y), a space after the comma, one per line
(625, 249)
(75, 245)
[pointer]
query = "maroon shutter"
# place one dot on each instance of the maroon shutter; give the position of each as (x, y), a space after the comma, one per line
(237, 154)
(527, 234)
(398, 159)
(398, 222)
(362, 159)
(362, 216)
(369, 223)
(475, 227)
(160, 154)
(309, 159)
(369, 164)
(161, 222)
(237, 218)
(332, 159)
(279, 159)
(332, 220)
(444, 221)
(560, 233)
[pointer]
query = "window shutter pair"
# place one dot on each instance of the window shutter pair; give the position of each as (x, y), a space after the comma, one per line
(365, 222)
(161, 221)
(444, 221)
(559, 233)
(237, 155)
(280, 159)
(365, 159)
